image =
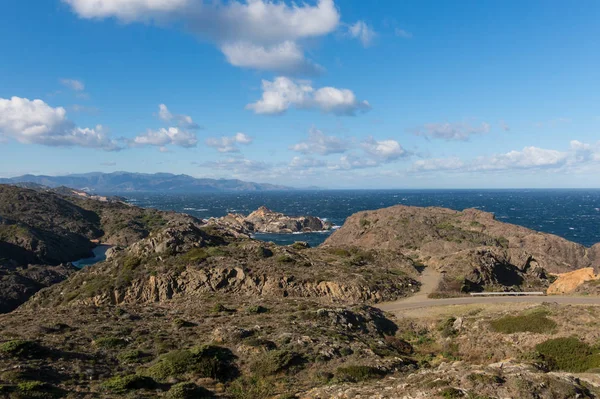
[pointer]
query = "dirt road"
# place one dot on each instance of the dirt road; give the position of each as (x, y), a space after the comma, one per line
(429, 282)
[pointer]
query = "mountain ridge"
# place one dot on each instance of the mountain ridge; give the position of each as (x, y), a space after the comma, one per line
(123, 182)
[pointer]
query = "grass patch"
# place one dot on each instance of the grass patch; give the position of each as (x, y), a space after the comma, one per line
(535, 322)
(275, 362)
(187, 390)
(196, 255)
(257, 309)
(132, 356)
(568, 354)
(251, 388)
(109, 342)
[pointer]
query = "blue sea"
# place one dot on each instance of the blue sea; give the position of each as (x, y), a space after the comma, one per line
(572, 214)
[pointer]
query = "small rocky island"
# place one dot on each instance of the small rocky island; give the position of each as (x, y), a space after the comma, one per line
(264, 220)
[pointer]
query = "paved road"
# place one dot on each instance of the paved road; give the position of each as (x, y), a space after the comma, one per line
(431, 278)
(407, 304)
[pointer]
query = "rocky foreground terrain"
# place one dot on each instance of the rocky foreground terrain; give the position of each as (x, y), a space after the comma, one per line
(187, 309)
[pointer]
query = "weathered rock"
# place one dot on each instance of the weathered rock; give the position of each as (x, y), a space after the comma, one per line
(567, 283)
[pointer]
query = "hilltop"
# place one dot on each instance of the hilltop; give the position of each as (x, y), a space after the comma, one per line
(123, 182)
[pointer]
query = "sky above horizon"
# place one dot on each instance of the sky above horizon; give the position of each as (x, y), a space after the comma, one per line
(335, 94)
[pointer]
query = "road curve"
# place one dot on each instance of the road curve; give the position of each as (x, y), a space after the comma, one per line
(408, 303)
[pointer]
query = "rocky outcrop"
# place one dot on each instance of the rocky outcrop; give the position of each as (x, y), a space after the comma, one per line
(460, 242)
(567, 283)
(264, 220)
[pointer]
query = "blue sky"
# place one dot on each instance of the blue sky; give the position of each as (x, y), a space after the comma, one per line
(338, 94)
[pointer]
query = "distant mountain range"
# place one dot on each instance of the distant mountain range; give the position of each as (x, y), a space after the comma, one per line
(124, 182)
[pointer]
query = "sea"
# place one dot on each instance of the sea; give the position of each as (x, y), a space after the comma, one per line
(572, 214)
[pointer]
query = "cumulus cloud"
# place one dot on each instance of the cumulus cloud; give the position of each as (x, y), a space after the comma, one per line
(244, 31)
(363, 32)
(451, 131)
(35, 122)
(384, 150)
(319, 143)
(283, 93)
(229, 144)
(353, 161)
(529, 158)
(73, 84)
(166, 136)
(183, 121)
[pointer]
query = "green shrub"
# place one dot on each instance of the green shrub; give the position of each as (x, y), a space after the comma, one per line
(263, 252)
(251, 388)
(187, 390)
(257, 309)
(447, 329)
(535, 322)
(220, 308)
(216, 251)
(341, 252)
(120, 384)
(132, 356)
(131, 262)
(503, 242)
(364, 223)
(180, 323)
(207, 362)
(23, 349)
(196, 255)
(31, 386)
(275, 362)
(300, 245)
(399, 345)
(357, 373)
(285, 259)
(568, 354)
(451, 393)
(485, 379)
(109, 342)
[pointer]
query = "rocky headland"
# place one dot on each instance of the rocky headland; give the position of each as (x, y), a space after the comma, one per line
(183, 308)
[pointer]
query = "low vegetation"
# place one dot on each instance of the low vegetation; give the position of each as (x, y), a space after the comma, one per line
(535, 323)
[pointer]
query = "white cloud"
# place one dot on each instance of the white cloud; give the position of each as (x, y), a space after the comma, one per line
(319, 143)
(243, 30)
(282, 93)
(306, 163)
(403, 33)
(353, 161)
(451, 131)
(35, 122)
(237, 165)
(73, 84)
(363, 32)
(229, 144)
(285, 57)
(529, 158)
(165, 136)
(384, 150)
(436, 164)
(183, 121)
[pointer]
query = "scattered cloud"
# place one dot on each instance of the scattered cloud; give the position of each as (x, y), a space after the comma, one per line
(451, 131)
(403, 33)
(237, 165)
(363, 32)
(529, 158)
(183, 121)
(306, 163)
(228, 144)
(35, 122)
(166, 136)
(73, 84)
(504, 126)
(353, 161)
(321, 144)
(384, 150)
(283, 93)
(257, 34)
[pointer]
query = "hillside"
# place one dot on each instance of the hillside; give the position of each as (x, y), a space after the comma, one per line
(472, 249)
(122, 182)
(183, 309)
